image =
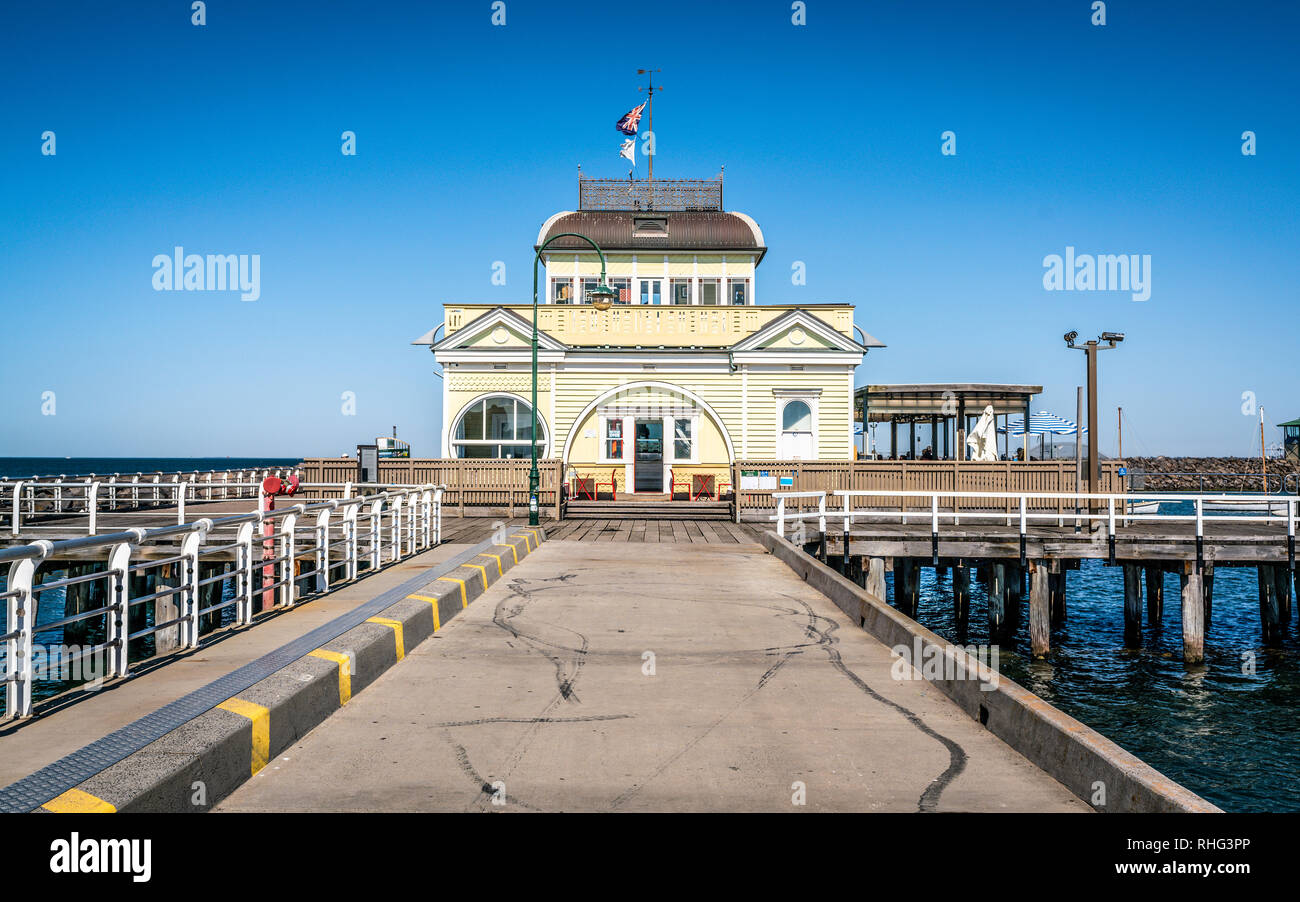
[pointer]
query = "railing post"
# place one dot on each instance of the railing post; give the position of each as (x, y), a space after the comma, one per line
(92, 505)
(848, 514)
(135, 491)
(376, 534)
(934, 530)
(119, 563)
(244, 577)
(20, 621)
(780, 517)
(182, 489)
(288, 526)
(437, 515)
(323, 550)
(190, 583)
(18, 507)
(821, 514)
(157, 488)
(350, 535)
(1110, 528)
(112, 493)
(397, 527)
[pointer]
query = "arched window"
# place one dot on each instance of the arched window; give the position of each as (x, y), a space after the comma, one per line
(497, 426)
(796, 431)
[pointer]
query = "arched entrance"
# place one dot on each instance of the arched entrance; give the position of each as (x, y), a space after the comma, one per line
(645, 435)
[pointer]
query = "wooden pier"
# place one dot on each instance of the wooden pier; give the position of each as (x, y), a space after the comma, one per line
(1023, 562)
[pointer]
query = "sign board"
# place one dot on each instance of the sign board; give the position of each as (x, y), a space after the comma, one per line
(787, 482)
(1123, 471)
(367, 463)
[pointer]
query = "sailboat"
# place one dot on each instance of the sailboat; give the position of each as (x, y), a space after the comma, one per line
(1151, 506)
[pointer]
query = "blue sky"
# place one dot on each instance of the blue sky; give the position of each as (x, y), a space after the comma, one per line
(225, 138)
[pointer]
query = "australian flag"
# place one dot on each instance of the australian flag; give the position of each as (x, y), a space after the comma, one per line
(630, 121)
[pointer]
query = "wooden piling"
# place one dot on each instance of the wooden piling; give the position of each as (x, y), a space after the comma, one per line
(1015, 596)
(961, 594)
(1056, 587)
(1040, 614)
(907, 586)
(1207, 583)
(1155, 583)
(1270, 606)
(1282, 582)
(999, 630)
(1193, 604)
(876, 578)
(167, 608)
(1132, 605)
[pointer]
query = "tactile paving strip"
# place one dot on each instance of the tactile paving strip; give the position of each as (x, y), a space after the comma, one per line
(34, 790)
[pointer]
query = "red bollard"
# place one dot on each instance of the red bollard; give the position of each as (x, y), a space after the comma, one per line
(272, 486)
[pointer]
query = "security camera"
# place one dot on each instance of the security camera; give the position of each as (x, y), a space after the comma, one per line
(1112, 336)
(1070, 337)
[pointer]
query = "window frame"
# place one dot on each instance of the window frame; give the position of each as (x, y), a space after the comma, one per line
(454, 444)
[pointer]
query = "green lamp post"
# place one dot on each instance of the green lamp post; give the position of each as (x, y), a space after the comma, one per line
(602, 297)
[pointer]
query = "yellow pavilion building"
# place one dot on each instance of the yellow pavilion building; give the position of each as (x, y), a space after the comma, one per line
(683, 376)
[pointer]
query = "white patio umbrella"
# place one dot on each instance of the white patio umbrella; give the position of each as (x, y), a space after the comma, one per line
(983, 439)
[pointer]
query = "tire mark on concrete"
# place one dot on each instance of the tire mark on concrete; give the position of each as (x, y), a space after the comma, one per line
(486, 791)
(957, 758)
(486, 720)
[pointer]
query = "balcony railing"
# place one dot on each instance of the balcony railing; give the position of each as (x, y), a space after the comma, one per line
(660, 195)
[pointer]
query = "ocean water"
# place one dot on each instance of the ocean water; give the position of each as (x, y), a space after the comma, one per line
(1229, 730)
(22, 467)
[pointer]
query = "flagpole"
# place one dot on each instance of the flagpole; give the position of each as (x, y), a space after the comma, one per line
(650, 112)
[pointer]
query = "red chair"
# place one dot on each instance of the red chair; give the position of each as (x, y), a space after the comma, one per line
(584, 485)
(702, 486)
(673, 484)
(613, 485)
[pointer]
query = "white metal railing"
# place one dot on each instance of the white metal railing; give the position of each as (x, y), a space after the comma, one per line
(1113, 509)
(307, 548)
(24, 502)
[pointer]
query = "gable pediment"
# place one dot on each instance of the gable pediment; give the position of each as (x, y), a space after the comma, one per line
(798, 331)
(498, 329)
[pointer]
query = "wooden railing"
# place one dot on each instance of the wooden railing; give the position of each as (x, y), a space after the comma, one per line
(470, 483)
(917, 476)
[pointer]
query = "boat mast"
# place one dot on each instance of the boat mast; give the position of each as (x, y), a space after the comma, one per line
(1121, 433)
(1263, 456)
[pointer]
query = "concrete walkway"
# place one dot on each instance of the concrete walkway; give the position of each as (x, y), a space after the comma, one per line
(67, 723)
(542, 696)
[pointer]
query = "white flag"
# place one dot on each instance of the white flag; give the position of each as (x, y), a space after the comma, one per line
(629, 150)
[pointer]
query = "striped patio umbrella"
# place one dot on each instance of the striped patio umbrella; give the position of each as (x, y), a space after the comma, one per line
(1042, 423)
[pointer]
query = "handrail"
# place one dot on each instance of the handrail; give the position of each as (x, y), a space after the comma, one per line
(293, 560)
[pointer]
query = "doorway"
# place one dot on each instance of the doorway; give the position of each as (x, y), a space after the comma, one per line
(648, 469)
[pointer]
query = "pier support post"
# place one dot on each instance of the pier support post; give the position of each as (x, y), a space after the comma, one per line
(1056, 587)
(1132, 605)
(167, 608)
(1270, 606)
(1282, 580)
(907, 586)
(1193, 603)
(1040, 615)
(1207, 584)
(961, 594)
(876, 578)
(999, 596)
(1155, 583)
(1015, 597)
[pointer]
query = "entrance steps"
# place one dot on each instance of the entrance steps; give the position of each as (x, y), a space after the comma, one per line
(647, 510)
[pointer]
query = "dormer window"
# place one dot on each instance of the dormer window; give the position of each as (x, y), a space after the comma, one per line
(650, 227)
